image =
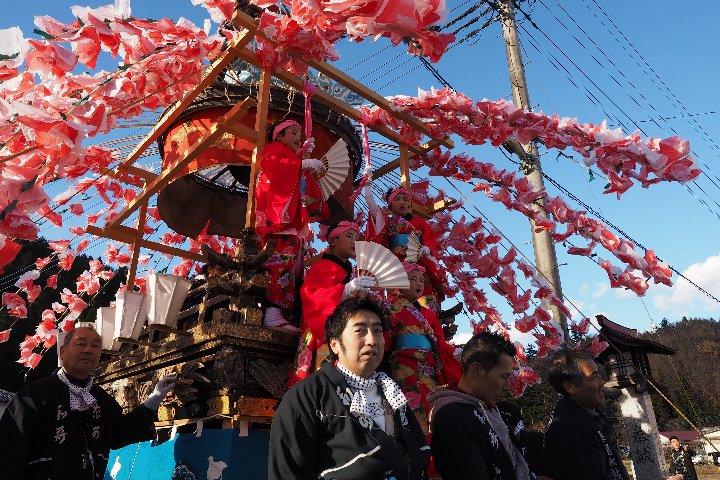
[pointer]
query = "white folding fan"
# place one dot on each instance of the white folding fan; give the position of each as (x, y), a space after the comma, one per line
(413, 248)
(337, 167)
(380, 263)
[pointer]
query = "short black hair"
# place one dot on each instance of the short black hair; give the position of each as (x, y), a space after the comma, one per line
(338, 319)
(69, 335)
(565, 367)
(485, 348)
(674, 437)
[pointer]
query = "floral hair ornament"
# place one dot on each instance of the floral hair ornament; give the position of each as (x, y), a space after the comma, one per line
(395, 192)
(341, 228)
(410, 266)
(282, 126)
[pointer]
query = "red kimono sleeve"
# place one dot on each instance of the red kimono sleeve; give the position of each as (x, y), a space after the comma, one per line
(427, 234)
(278, 190)
(321, 292)
(451, 368)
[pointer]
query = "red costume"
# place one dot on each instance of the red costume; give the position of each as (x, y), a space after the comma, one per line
(420, 357)
(321, 292)
(286, 198)
(395, 234)
(286, 201)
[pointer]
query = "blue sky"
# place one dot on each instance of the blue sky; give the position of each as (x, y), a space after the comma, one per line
(667, 72)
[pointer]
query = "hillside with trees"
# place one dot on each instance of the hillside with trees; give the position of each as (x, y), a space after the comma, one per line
(690, 378)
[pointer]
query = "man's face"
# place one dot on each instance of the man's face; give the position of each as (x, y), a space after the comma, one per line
(417, 286)
(361, 345)
(588, 393)
(675, 444)
(343, 246)
(400, 204)
(490, 385)
(81, 356)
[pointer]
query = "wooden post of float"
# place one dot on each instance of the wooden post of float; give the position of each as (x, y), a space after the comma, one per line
(261, 129)
(404, 166)
(545, 256)
(140, 225)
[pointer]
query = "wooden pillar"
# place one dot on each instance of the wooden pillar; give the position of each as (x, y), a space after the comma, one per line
(261, 129)
(404, 166)
(140, 225)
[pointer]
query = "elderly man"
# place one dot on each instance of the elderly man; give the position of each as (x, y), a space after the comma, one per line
(63, 427)
(469, 436)
(580, 442)
(347, 421)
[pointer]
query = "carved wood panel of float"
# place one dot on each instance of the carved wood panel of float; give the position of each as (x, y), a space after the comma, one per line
(212, 190)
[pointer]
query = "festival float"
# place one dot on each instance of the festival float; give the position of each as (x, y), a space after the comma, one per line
(218, 94)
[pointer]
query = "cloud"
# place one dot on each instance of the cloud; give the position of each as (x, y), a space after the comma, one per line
(461, 338)
(685, 299)
(601, 289)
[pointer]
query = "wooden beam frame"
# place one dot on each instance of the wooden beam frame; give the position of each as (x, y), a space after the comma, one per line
(153, 187)
(261, 129)
(128, 235)
(176, 110)
(139, 233)
(135, 175)
(404, 166)
(392, 165)
(244, 20)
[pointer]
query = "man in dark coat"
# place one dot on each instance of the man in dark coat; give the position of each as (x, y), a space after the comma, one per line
(347, 421)
(63, 427)
(681, 460)
(470, 439)
(580, 443)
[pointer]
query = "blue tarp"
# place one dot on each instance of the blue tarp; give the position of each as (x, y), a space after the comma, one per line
(216, 454)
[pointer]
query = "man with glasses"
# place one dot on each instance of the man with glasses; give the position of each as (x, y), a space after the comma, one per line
(580, 442)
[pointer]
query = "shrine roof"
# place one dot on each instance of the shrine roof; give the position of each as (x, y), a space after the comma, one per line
(627, 338)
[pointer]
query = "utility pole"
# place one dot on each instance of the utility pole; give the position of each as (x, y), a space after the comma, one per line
(545, 257)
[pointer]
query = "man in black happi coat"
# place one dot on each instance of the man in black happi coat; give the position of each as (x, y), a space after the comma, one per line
(63, 427)
(347, 421)
(580, 443)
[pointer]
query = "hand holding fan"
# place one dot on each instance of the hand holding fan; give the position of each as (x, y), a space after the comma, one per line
(337, 167)
(413, 248)
(376, 261)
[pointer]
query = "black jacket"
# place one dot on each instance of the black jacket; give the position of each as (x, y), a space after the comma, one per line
(681, 462)
(314, 435)
(581, 445)
(464, 445)
(43, 439)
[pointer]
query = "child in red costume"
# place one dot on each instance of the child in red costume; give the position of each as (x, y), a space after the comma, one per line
(287, 199)
(326, 283)
(420, 357)
(392, 228)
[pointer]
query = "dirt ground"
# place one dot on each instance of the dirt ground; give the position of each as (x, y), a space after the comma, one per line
(705, 472)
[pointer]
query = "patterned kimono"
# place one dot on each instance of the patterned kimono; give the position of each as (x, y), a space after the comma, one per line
(420, 359)
(395, 236)
(321, 292)
(286, 201)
